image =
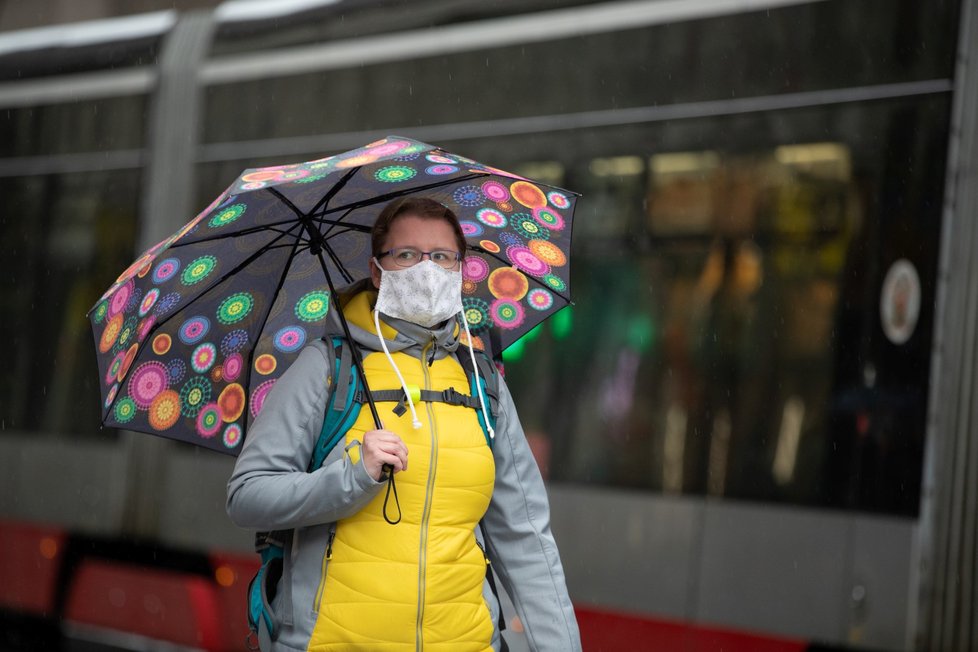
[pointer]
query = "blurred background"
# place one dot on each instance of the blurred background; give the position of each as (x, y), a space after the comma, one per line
(757, 422)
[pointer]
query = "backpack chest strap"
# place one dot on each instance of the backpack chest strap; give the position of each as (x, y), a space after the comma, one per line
(451, 396)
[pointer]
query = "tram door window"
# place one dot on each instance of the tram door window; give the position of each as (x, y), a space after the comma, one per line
(68, 227)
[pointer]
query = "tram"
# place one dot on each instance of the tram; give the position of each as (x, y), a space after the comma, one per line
(755, 420)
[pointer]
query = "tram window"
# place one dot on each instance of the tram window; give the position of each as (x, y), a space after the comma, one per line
(63, 240)
(94, 126)
(725, 338)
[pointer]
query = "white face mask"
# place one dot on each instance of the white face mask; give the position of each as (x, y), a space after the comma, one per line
(424, 294)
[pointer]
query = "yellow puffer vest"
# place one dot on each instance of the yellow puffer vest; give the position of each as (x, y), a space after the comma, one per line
(416, 585)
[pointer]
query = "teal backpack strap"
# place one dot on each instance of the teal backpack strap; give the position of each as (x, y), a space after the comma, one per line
(343, 407)
(482, 380)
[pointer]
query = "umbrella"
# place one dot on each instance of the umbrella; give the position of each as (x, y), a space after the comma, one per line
(193, 335)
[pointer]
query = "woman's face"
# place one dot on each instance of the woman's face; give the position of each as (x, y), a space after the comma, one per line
(424, 234)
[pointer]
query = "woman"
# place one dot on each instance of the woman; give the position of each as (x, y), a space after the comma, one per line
(351, 580)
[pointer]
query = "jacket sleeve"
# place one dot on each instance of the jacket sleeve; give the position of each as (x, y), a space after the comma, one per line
(270, 488)
(520, 544)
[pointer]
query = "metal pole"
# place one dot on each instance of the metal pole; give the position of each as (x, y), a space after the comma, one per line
(948, 561)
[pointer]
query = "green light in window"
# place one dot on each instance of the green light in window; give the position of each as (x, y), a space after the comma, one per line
(562, 323)
(640, 332)
(516, 350)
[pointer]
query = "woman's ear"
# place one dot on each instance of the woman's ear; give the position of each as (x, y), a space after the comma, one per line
(375, 273)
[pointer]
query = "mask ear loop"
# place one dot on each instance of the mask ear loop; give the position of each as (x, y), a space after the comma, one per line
(475, 366)
(415, 422)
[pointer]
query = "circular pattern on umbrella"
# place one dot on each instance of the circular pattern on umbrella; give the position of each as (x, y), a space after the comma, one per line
(127, 362)
(176, 369)
(194, 396)
(476, 313)
(438, 170)
(438, 158)
(194, 329)
(217, 373)
(554, 282)
(111, 395)
(470, 229)
(394, 173)
(198, 270)
(167, 303)
(506, 313)
(164, 410)
(491, 217)
(234, 341)
(468, 196)
(146, 382)
(489, 246)
(548, 252)
(258, 396)
(356, 161)
(528, 227)
(162, 344)
(265, 364)
(117, 303)
(231, 402)
(505, 206)
(144, 327)
(235, 308)
(227, 215)
(495, 191)
(203, 357)
(528, 194)
(127, 332)
(312, 178)
(540, 299)
(100, 312)
(232, 435)
(558, 199)
(209, 421)
(233, 365)
(165, 270)
(387, 148)
(469, 287)
(508, 283)
(134, 300)
(149, 301)
(313, 306)
(549, 218)
(510, 239)
(289, 339)
(112, 374)
(475, 268)
(125, 410)
(527, 261)
(110, 334)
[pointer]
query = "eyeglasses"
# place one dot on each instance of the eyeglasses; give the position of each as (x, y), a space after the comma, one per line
(409, 257)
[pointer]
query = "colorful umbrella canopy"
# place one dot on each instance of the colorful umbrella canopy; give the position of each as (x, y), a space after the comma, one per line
(193, 335)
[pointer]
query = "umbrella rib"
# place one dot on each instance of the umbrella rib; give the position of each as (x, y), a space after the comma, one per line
(235, 234)
(394, 195)
(223, 278)
(332, 191)
(507, 263)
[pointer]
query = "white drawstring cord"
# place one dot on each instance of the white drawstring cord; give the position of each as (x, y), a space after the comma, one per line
(475, 369)
(415, 422)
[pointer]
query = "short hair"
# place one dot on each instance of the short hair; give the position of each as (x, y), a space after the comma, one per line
(422, 207)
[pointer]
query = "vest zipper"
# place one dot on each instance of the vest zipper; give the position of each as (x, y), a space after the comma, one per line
(426, 515)
(327, 555)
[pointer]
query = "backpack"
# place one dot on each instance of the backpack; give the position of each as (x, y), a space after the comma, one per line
(347, 397)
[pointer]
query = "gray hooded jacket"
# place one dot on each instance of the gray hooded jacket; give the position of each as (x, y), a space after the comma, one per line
(270, 489)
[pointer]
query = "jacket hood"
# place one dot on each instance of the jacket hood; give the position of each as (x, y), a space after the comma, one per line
(357, 304)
